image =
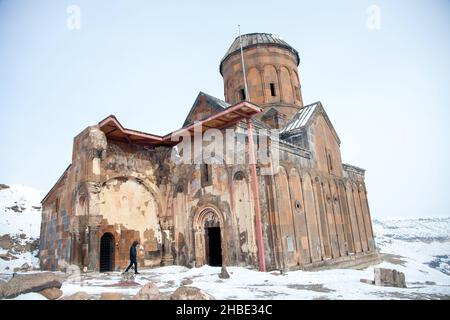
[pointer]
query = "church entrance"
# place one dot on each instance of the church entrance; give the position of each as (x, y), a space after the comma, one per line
(209, 239)
(107, 253)
(213, 246)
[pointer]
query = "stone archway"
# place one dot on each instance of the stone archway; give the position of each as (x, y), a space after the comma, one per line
(209, 239)
(107, 252)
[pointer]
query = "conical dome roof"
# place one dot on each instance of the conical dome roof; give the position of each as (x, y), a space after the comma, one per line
(255, 39)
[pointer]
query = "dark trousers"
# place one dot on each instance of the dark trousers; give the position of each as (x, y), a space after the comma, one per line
(132, 261)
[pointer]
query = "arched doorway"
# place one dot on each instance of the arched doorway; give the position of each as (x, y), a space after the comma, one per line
(107, 252)
(208, 226)
(213, 243)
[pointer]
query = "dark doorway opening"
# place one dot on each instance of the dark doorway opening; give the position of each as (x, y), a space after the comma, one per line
(214, 247)
(107, 252)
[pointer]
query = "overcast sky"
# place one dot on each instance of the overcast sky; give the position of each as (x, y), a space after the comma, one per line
(385, 85)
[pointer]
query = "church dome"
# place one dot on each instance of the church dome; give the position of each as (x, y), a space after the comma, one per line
(256, 39)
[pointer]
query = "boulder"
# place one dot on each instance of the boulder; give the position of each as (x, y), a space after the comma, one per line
(72, 272)
(190, 293)
(35, 282)
(165, 295)
(127, 277)
(224, 273)
(3, 186)
(52, 293)
(368, 281)
(389, 278)
(11, 257)
(111, 296)
(80, 295)
(32, 246)
(186, 282)
(149, 292)
(25, 267)
(6, 242)
(2, 288)
(7, 256)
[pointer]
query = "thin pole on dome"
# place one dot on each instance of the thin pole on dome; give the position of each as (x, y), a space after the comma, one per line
(247, 97)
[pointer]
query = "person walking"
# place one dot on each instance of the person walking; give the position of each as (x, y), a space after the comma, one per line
(133, 259)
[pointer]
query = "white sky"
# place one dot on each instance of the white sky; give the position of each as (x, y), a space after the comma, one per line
(386, 91)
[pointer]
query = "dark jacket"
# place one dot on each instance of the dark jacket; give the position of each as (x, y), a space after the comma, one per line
(133, 253)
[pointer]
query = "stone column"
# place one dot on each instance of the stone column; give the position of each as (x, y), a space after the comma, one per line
(74, 256)
(84, 247)
(280, 88)
(263, 83)
(93, 248)
(199, 248)
(167, 236)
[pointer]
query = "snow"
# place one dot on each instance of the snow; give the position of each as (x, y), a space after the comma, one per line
(30, 296)
(26, 219)
(420, 248)
(29, 220)
(7, 267)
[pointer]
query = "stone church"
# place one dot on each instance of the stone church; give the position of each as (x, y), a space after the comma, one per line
(124, 185)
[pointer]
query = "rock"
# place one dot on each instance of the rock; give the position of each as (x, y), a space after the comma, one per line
(190, 293)
(2, 288)
(72, 272)
(224, 273)
(22, 236)
(171, 282)
(32, 246)
(17, 208)
(16, 269)
(3, 186)
(4, 256)
(430, 283)
(127, 277)
(52, 293)
(6, 242)
(389, 278)
(165, 295)
(186, 282)
(11, 257)
(25, 267)
(35, 282)
(111, 296)
(80, 295)
(368, 281)
(149, 292)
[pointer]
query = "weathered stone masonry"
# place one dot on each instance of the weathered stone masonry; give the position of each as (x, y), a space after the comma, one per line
(122, 185)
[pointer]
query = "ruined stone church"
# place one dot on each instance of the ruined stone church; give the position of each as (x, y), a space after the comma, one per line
(123, 185)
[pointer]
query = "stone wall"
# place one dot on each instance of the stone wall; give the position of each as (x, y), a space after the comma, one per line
(265, 65)
(311, 216)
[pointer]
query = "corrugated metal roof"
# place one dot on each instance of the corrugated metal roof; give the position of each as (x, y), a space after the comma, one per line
(253, 39)
(301, 118)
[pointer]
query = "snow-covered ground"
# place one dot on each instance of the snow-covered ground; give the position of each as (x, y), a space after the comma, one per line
(418, 247)
(20, 218)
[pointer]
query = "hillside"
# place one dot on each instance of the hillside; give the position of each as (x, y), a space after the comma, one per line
(20, 219)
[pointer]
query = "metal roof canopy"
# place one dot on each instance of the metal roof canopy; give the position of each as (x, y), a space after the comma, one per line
(226, 118)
